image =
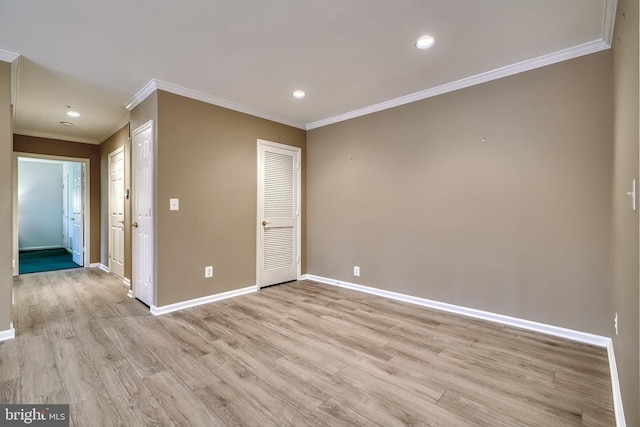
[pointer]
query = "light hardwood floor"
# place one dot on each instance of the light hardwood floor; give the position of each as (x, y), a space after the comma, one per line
(296, 354)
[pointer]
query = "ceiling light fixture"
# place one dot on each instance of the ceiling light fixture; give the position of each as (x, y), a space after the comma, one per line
(299, 94)
(72, 113)
(425, 42)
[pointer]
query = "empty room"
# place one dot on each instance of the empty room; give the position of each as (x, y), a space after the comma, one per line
(321, 213)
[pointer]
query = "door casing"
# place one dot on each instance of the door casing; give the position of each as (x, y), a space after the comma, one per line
(297, 151)
(86, 198)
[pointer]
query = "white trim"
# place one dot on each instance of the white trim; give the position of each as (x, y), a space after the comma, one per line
(582, 337)
(41, 248)
(130, 293)
(86, 200)
(570, 334)
(108, 134)
(141, 95)
(529, 64)
(615, 385)
(7, 56)
(126, 282)
(8, 334)
(155, 84)
(157, 311)
(609, 11)
(104, 268)
(15, 84)
(95, 265)
(609, 19)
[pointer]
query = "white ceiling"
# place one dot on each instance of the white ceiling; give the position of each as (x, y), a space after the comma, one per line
(350, 56)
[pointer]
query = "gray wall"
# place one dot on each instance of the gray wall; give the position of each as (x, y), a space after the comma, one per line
(40, 194)
(519, 225)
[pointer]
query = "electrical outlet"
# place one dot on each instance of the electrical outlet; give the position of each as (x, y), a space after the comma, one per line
(208, 271)
(356, 270)
(615, 323)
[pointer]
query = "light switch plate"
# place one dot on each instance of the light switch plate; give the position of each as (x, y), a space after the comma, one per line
(174, 204)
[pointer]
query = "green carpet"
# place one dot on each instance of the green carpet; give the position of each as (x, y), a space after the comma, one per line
(45, 260)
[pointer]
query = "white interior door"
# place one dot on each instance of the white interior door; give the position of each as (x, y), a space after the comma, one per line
(278, 213)
(142, 199)
(77, 246)
(116, 212)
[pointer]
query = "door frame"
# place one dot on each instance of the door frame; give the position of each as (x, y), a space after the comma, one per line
(86, 197)
(260, 197)
(110, 201)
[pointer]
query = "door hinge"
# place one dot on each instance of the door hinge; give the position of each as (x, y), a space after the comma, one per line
(297, 258)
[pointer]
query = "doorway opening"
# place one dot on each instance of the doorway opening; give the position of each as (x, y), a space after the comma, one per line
(50, 213)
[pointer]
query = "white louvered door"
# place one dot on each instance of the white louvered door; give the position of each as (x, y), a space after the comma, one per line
(278, 213)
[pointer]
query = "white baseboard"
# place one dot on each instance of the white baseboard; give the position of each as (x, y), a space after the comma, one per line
(557, 331)
(8, 334)
(130, 293)
(104, 268)
(199, 301)
(40, 248)
(126, 282)
(95, 264)
(615, 385)
(570, 334)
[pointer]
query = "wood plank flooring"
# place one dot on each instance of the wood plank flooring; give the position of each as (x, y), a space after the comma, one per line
(298, 354)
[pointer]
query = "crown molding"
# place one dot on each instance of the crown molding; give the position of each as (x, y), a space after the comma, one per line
(155, 84)
(47, 135)
(608, 20)
(8, 56)
(14, 59)
(609, 12)
(530, 64)
(142, 94)
(108, 134)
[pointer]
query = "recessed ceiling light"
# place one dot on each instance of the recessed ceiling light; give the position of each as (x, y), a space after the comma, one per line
(72, 113)
(425, 42)
(66, 123)
(299, 94)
